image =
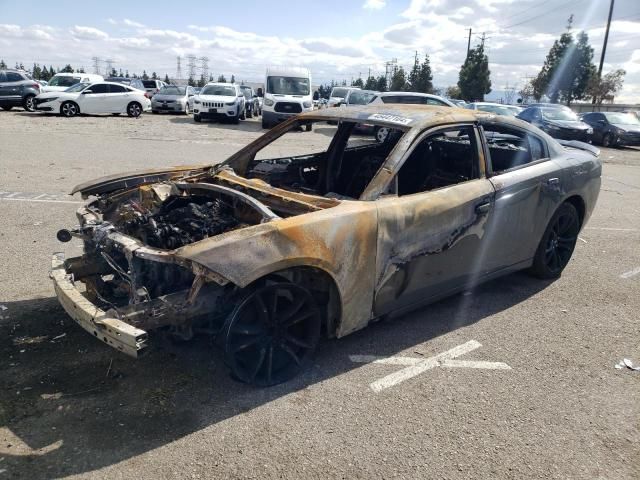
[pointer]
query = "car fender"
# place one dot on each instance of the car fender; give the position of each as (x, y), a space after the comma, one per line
(341, 241)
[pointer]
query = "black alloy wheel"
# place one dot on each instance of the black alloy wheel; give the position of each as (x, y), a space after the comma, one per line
(272, 333)
(558, 243)
(607, 140)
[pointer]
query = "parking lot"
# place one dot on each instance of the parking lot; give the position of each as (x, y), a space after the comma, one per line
(515, 379)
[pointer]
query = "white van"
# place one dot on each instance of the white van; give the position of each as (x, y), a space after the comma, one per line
(61, 81)
(287, 92)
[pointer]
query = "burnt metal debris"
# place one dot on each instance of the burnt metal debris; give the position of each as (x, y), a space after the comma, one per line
(267, 255)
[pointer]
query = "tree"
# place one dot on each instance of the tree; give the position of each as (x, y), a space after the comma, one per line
(191, 82)
(526, 92)
(421, 77)
(474, 79)
(44, 74)
(221, 78)
(606, 87)
(3, 65)
(381, 84)
(114, 72)
(202, 81)
(370, 84)
(358, 83)
(453, 91)
(36, 72)
(67, 69)
(233, 78)
(567, 69)
(144, 75)
(126, 74)
(166, 78)
(398, 80)
(154, 76)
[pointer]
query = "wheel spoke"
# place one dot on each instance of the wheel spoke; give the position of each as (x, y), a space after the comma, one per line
(297, 318)
(249, 342)
(247, 329)
(291, 353)
(292, 310)
(296, 341)
(269, 364)
(566, 242)
(263, 352)
(263, 313)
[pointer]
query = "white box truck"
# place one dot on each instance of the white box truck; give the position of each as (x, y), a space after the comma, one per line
(287, 92)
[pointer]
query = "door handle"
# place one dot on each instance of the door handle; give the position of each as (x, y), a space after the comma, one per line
(553, 181)
(483, 207)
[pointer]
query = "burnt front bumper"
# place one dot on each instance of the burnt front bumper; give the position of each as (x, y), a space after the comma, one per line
(107, 328)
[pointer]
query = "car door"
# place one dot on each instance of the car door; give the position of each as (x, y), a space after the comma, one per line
(4, 91)
(431, 232)
(117, 99)
(94, 98)
(527, 186)
(12, 86)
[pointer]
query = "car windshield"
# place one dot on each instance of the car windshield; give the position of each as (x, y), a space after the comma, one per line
(288, 85)
(622, 118)
(246, 91)
(360, 98)
(339, 92)
(173, 90)
(149, 84)
(497, 109)
(64, 81)
(222, 90)
(558, 114)
(78, 87)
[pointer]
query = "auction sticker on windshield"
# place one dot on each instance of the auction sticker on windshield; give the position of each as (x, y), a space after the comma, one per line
(391, 118)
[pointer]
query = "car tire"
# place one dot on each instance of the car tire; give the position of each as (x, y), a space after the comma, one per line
(272, 333)
(134, 109)
(242, 115)
(29, 103)
(557, 243)
(607, 140)
(308, 127)
(381, 134)
(69, 109)
(7, 108)
(196, 118)
(186, 109)
(249, 113)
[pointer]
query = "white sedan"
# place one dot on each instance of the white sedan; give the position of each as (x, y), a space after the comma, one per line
(100, 97)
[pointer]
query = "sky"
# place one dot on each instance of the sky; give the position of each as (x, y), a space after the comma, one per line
(336, 40)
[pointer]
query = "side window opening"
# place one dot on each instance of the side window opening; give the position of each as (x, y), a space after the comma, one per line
(445, 158)
(510, 148)
(344, 164)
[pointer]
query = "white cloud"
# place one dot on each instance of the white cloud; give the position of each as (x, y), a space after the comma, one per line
(88, 33)
(131, 23)
(374, 4)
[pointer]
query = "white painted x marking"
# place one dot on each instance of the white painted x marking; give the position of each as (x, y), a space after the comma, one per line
(416, 366)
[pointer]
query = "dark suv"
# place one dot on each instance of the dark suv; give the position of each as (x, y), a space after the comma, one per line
(17, 89)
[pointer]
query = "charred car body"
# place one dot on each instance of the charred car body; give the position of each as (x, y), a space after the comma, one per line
(271, 254)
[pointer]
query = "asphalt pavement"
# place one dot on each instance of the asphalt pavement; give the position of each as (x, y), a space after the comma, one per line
(515, 379)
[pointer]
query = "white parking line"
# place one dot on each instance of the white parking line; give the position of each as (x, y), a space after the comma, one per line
(37, 197)
(631, 273)
(614, 229)
(416, 366)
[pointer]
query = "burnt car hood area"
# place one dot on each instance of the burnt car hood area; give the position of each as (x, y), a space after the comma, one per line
(268, 255)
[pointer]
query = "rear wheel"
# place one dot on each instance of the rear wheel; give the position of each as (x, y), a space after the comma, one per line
(272, 333)
(607, 140)
(134, 109)
(7, 108)
(29, 103)
(557, 243)
(69, 109)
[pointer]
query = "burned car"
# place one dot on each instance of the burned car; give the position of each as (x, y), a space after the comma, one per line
(269, 254)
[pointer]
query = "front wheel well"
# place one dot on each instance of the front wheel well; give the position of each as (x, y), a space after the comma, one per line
(578, 203)
(323, 288)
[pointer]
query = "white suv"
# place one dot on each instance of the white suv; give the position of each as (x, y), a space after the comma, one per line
(219, 101)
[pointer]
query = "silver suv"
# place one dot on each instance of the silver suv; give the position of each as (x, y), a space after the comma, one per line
(18, 89)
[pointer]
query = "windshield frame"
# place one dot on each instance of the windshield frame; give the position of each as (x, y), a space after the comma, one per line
(172, 87)
(288, 82)
(561, 111)
(632, 117)
(205, 90)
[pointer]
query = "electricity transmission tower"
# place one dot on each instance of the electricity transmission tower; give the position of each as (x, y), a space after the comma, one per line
(191, 66)
(179, 68)
(109, 63)
(96, 65)
(204, 68)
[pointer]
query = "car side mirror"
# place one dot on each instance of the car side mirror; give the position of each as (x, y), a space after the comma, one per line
(255, 96)
(191, 94)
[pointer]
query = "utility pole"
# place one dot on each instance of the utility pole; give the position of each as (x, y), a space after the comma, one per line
(469, 43)
(483, 39)
(604, 45)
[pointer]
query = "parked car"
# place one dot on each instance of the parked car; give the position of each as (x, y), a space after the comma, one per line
(558, 121)
(94, 98)
(218, 101)
(497, 108)
(131, 82)
(268, 254)
(458, 103)
(17, 89)
(152, 86)
(43, 83)
(410, 98)
(339, 94)
(251, 102)
(614, 129)
(359, 97)
(287, 93)
(172, 98)
(61, 81)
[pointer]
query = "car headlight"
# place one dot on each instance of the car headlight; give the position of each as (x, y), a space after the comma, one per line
(230, 103)
(46, 100)
(589, 131)
(197, 102)
(268, 102)
(551, 127)
(306, 104)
